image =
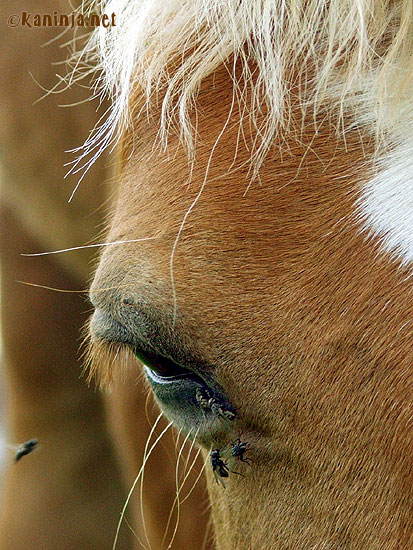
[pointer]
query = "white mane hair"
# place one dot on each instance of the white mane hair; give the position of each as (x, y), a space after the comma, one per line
(358, 52)
(352, 57)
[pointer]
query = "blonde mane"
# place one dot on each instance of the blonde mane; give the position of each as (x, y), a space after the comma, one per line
(350, 56)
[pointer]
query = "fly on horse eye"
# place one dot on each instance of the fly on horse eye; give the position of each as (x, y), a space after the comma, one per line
(219, 409)
(239, 448)
(25, 448)
(219, 467)
(209, 403)
(204, 398)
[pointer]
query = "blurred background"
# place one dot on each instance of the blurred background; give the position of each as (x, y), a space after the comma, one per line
(68, 491)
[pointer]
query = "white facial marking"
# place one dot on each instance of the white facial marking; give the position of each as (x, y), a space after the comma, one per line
(386, 205)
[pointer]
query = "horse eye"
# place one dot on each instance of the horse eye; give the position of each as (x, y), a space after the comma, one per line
(162, 366)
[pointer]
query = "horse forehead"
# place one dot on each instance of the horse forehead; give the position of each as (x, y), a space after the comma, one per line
(219, 185)
(312, 186)
(290, 203)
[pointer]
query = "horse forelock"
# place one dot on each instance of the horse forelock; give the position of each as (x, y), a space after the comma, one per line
(350, 54)
(347, 60)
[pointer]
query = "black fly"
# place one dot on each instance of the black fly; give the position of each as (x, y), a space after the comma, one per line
(25, 448)
(238, 450)
(219, 409)
(219, 467)
(209, 403)
(204, 398)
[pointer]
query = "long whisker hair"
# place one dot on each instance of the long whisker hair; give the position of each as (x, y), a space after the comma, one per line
(146, 455)
(179, 488)
(97, 245)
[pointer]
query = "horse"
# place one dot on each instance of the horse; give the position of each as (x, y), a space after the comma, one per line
(259, 252)
(69, 492)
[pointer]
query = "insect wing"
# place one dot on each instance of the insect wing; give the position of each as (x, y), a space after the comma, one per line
(219, 479)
